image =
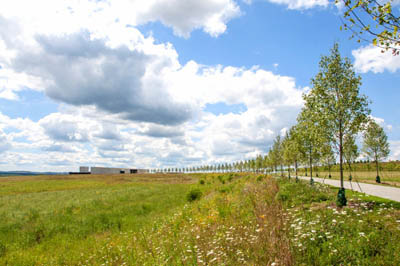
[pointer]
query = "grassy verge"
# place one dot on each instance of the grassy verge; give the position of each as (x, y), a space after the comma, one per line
(389, 178)
(366, 232)
(203, 219)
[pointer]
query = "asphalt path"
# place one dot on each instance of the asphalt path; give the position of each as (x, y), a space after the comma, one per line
(391, 193)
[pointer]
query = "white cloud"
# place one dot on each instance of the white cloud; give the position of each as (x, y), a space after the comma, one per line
(394, 146)
(58, 16)
(127, 101)
(4, 142)
(371, 58)
(301, 4)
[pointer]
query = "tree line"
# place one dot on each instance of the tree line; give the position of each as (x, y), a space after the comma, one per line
(334, 114)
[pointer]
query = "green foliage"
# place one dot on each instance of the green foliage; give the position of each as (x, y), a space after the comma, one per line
(376, 146)
(202, 182)
(194, 194)
(372, 21)
(334, 104)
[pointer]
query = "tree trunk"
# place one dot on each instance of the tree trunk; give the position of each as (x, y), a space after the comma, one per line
(329, 168)
(281, 170)
(311, 162)
(295, 165)
(341, 154)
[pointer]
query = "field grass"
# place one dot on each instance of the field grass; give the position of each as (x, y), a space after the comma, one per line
(390, 178)
(198, 219)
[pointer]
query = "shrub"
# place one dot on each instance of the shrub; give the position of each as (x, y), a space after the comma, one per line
(193, 195)
(202, 182)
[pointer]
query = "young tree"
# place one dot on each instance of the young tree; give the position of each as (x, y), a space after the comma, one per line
(328, 158)
(337, 106)
(373, 21)
(277, 155)
(310, 136)
(375, 145)
(291, 150)
(350, 151)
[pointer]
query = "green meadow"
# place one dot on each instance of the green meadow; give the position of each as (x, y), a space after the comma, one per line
(191, 219)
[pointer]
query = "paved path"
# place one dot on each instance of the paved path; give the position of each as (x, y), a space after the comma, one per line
(391, 193)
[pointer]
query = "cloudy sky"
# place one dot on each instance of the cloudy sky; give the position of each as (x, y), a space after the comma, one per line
(167, 83)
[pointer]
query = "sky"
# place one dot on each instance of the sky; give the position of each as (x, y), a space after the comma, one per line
(168, 83)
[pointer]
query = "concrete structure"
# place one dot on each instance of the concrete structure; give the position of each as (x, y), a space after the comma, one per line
(83, 169)
(110, 170)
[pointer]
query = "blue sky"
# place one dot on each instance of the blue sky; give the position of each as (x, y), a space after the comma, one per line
(161, 83)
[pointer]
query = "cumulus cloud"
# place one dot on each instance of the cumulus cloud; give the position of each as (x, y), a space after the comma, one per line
(64, 128)
(184, 16)
(67, 16)
(85, 71)
(109, 132)
(127, 101)
(4, 142)
(58, 148)
(371, 58)
(395, 150)
(157, 131)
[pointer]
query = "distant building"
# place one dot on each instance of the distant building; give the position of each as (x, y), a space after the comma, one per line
(110, 170)
(83, 169)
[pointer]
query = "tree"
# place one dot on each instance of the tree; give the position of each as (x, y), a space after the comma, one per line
(310, 135)
(375, 145)
(291, 150)
(337, 106)
(373, 21)
(276, 153)
(328, 158)
(350, 151)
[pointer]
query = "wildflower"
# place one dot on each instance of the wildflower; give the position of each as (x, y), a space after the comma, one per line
(214, 259)
(361, 234)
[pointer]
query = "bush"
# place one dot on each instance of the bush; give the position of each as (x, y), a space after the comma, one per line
(202, 182)
(193, 195)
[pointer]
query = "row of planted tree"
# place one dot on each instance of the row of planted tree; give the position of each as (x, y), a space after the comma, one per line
(333, 116)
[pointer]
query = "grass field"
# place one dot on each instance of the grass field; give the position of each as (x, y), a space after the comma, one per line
(391, 178)
(199, 219)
